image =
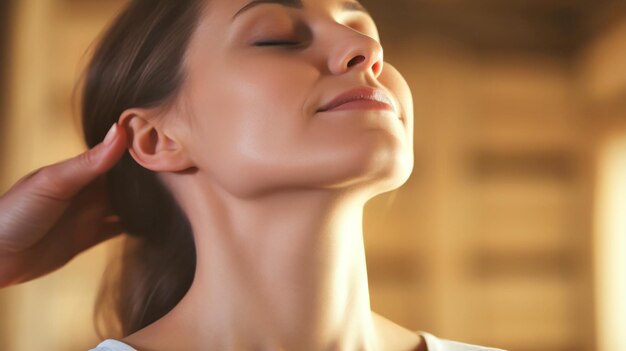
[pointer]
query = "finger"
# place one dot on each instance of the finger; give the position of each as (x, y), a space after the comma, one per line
(65, 179)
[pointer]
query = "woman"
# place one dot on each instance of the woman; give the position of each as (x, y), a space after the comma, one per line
(256, 131)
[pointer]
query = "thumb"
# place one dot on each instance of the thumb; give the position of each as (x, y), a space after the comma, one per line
(65, 179)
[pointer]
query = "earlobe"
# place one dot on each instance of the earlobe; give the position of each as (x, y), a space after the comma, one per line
(151, 145)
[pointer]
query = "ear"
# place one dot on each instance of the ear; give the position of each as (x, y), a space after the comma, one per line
(151, 145)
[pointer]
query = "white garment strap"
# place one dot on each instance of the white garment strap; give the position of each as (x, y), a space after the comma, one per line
(435, 344)
(112, 345)
(432, 342)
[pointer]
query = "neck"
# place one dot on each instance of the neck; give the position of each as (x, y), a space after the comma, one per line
(280, 272)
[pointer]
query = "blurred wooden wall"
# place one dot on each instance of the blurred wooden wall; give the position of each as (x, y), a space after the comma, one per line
(491, 240)
(496, 220)
(603, 75)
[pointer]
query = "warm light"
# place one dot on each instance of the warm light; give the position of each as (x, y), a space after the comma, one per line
(610, 246)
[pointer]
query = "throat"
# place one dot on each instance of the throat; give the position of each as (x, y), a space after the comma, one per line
(297, 281)
(286, 296)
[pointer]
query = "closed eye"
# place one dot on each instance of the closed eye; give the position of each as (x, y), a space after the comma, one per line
(277, 43)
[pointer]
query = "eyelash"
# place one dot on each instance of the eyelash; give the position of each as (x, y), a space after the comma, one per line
(277, 43)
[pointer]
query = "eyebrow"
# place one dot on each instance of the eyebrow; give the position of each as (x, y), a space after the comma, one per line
(349, 5)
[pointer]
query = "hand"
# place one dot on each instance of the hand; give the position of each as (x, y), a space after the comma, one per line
(58, 211)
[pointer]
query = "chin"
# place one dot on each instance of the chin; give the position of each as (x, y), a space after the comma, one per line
(376, 171)
(391, 177)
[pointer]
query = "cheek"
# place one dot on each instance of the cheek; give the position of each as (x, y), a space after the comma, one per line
(273, 83)
(250, 110)
(268, 98)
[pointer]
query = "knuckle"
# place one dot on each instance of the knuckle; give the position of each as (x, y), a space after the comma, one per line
(45, 178)
(28, 176)
(48, 183)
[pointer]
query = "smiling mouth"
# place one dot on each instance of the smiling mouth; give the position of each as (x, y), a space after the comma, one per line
(364, 98)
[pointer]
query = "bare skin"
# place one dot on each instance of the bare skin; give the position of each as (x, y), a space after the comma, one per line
(283, 289)
(273, 184)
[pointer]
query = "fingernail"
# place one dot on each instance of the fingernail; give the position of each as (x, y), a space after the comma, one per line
(110, 135)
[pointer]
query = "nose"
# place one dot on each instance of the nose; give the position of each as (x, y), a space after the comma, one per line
(356, 51)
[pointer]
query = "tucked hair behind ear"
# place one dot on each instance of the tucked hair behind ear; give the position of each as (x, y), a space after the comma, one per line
(138, 63)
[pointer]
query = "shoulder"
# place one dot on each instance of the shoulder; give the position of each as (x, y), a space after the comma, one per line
(112, 345)
(435, 344)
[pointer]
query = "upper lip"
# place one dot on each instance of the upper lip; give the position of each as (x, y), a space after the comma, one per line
(361, 93)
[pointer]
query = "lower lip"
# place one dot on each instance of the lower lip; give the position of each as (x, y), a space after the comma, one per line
(362, 105)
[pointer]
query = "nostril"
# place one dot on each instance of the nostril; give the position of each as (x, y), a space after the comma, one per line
(356, 60)
(377, 68)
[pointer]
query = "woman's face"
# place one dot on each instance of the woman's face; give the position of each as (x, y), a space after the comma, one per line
(290, 93)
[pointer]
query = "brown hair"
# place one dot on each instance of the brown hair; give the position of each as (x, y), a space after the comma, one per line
(138, 63)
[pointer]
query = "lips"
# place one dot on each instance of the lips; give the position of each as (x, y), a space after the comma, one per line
(360, 98)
